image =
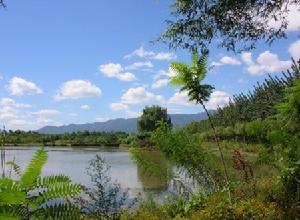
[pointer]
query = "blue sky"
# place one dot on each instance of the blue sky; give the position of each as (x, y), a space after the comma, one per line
(62, 62)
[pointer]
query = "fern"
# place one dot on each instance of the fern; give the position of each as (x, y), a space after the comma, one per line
(15, 167)
(8, 212)
(34, 169)
(37, 197)
(11, 192)
(59, 212)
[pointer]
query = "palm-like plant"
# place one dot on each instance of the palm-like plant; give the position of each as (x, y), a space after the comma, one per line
(190, 79)
(36, 197)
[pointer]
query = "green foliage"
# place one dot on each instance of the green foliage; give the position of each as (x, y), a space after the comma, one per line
(85, 138)
(33, 196)
(190, 78)
(106, 199)
(185, 151)
(231, 24)
(150, 117)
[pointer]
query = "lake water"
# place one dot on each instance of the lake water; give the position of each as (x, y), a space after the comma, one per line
(73, 162)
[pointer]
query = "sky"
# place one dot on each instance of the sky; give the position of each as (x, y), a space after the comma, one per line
(64, 62)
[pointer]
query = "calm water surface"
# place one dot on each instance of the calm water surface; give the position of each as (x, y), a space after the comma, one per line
(73, 162)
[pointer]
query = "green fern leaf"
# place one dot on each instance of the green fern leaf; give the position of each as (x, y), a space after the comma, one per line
(33, 169)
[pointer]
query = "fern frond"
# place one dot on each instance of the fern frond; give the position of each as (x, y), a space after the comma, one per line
(59, 212)
(16, 168)
(50, 180)
(11, 192)
(181, 70)
(8, 212)
(61, 190)
(33, 169)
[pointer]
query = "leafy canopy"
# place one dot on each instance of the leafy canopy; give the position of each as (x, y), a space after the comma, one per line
(234, 25)
(151, 116)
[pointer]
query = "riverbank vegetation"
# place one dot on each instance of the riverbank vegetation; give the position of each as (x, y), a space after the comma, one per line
(86, 138)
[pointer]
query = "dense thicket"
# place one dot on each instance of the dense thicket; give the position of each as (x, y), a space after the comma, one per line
(252, 107)
(85, 138)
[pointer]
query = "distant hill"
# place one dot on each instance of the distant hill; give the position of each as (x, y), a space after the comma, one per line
(126, 125)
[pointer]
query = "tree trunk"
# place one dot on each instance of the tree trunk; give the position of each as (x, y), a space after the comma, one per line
(219, 148)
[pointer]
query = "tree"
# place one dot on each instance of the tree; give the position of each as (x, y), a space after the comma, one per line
(190, 79)
(236, 24)
(150, 117)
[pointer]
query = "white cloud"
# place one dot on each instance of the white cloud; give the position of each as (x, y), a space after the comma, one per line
(162, 73)
(11, 102)
(7, 113)
(85, 107)
(76, 89)
(160, 83)
(46, 112)
(19, 86)
(164, 56)
(266, 62)
(140, 95)
(133, 114)
(117, 106)
(180, 98)
(227, 60)
(294, 49)
(217, 98)
(46, 122)
(115, 70)
(138, 65)
(292, 19)
(141, 52)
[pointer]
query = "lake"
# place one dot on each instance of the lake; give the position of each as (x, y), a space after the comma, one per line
(73, 162)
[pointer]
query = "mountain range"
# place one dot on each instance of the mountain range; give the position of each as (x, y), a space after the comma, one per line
(120, 124)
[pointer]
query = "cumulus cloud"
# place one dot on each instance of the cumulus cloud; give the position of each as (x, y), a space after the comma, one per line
(46, 112)
(227, 60)
(118, 106)
(292, 19)
(294, 49)
(138, 65)
(11, 102)
(46, 121)
(217, 98)
(164, 56)
(140, 95)
(85, 107)
(180, 98)
(76, 89)
(141, 52)
(266, 62)
(115, 70)
(133, 114)
(160, 83)
(19, 86)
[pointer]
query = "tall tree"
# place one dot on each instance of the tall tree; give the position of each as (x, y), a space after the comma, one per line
(151, 116)
(236, 24)
(190, 79)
